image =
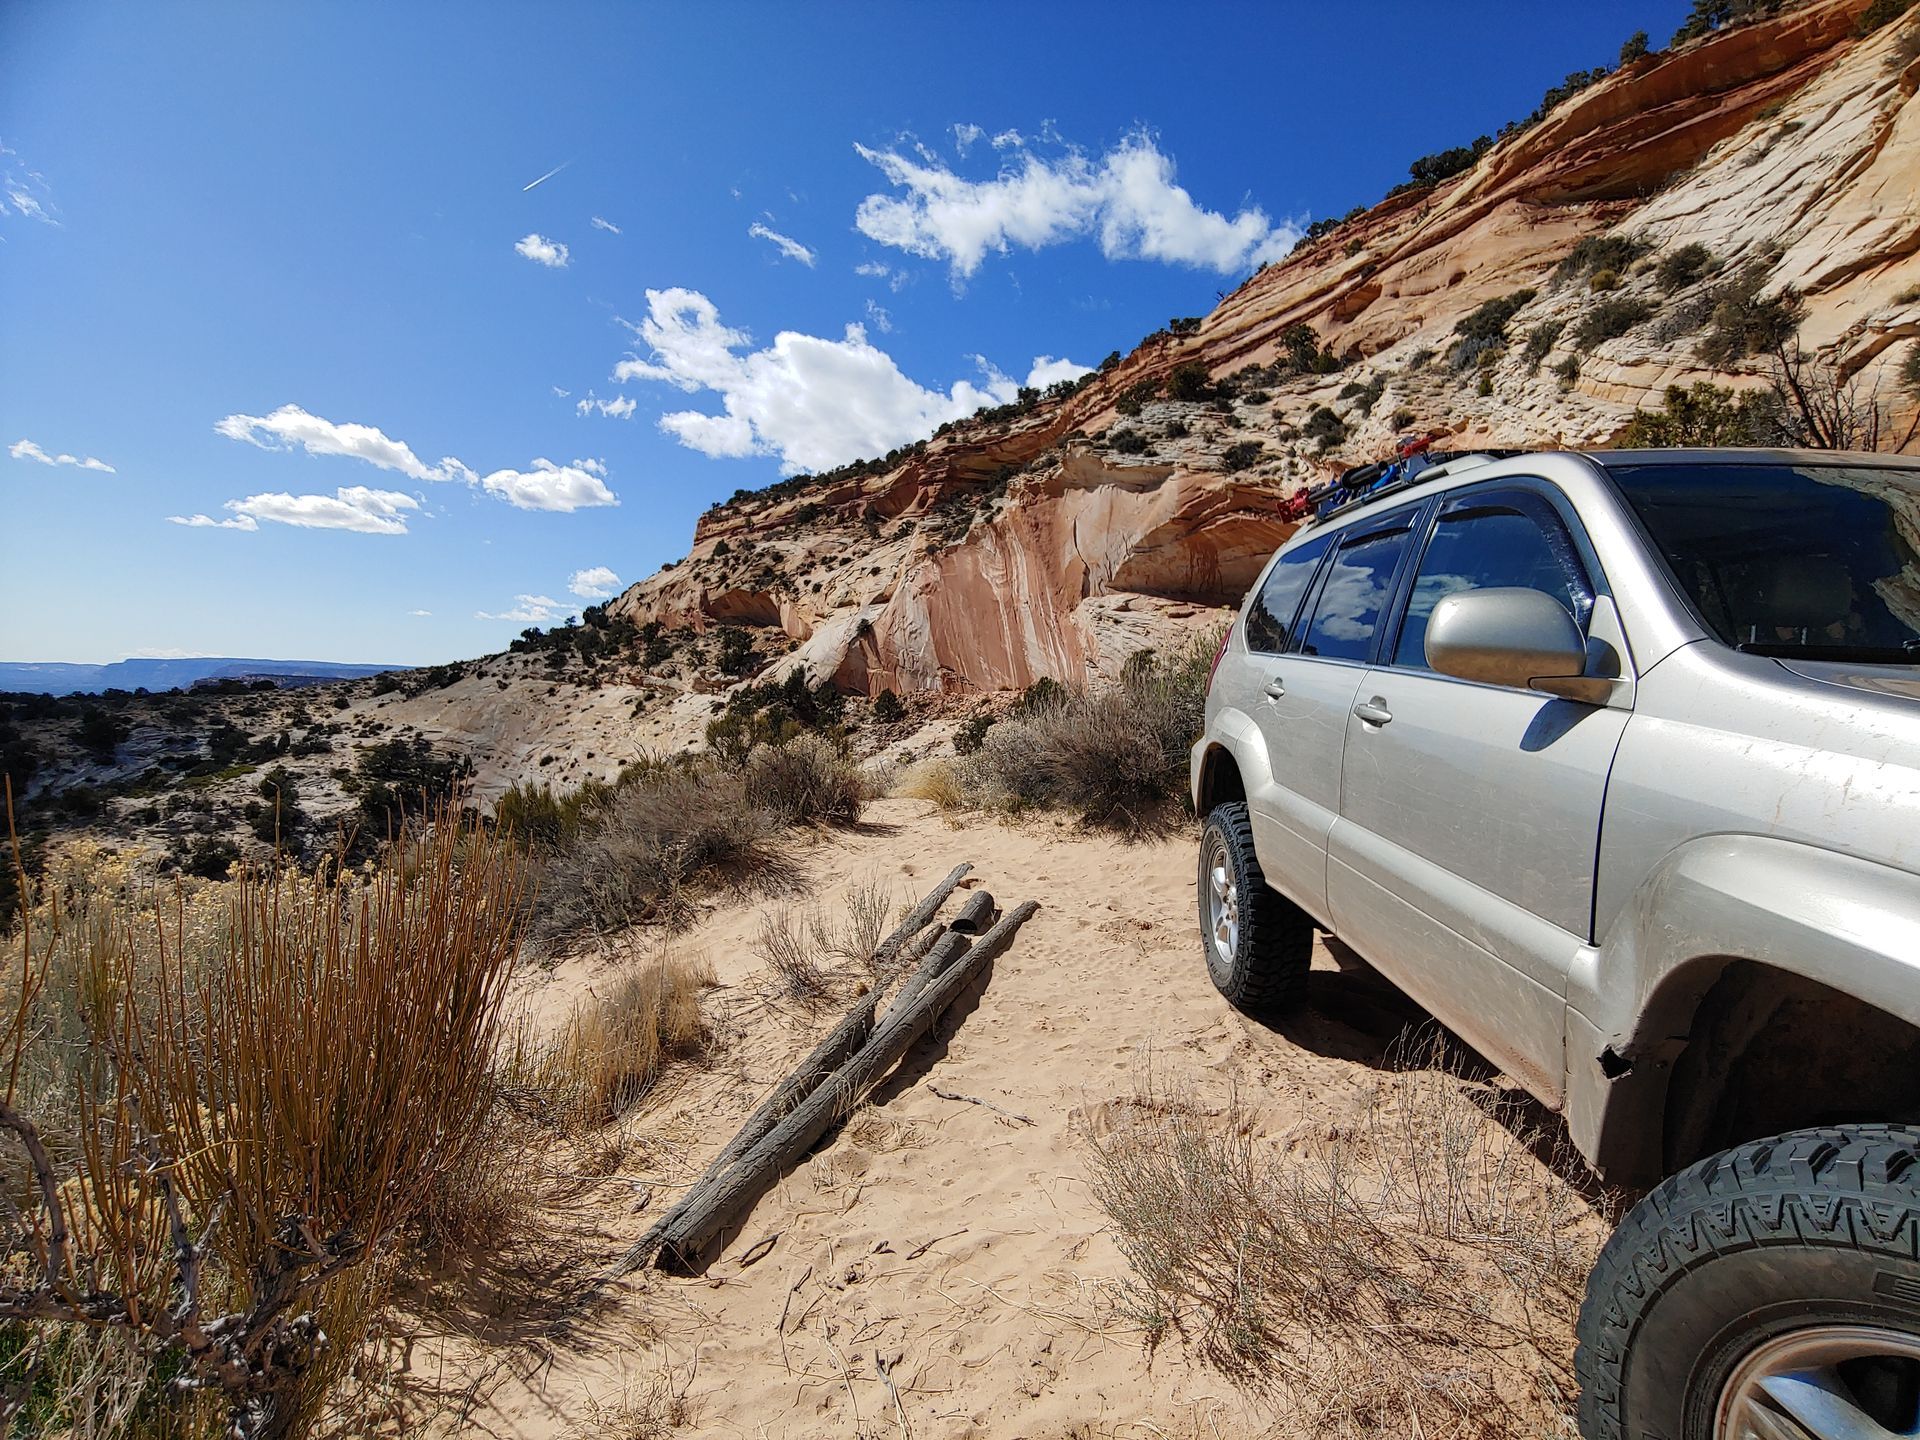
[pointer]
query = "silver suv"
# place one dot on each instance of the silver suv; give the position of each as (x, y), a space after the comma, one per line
(1612, 762)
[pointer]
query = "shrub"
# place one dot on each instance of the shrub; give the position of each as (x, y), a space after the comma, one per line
(1178, 430)
(1540, 342)
(1432, 169)
(1609, 318)
(1708, 16)
(616, 1045)
(1489, 320)
(1746, 323)
(1634, 48)
(1604, 280)
(1680, 268)
(1879, 13)
(1325, 426)
(1613, 252)
(1116, 756)
(1704, 414)
(1134, 398)
(804, 781)
(1910, 371)
(281, 1069)
(967, 737)
(641, 854)
(887, 709)
(1240, 456)
(1190, 382)
(1127, 442)
(737, 655)
(1568, 370)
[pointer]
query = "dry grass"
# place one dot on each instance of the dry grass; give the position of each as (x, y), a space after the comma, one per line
(807, 950)
(617, 1045)
(937, 781)
(279, 1070)
(1417, 1275)
(650, 1410)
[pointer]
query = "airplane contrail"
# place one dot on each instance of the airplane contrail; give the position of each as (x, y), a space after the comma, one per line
(546, 177)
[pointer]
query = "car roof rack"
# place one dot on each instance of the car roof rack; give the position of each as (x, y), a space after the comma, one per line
(1413, 462)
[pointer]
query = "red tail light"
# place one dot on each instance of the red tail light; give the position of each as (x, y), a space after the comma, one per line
(1219, 655)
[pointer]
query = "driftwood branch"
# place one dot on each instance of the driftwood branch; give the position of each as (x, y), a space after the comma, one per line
(687, 1240)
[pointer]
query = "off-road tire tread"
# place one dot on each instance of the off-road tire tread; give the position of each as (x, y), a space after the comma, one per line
(1278, 934)
(1846, 1187)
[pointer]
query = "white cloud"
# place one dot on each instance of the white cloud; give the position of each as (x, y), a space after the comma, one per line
(548, 486)
(1127, 200)
(241, 522)
(620, 408)
(290, 425)
(785, 244)
(561, 394)
(420, 614)
(27, 450)
(25, 190)
(1009, 140)
(607, 225)
(526, 610)
(966, 135)
(550, 253)
(878, 317)
(813, 402)
(1046, 370)
(351, 507)
(874, 269)
(595, 583)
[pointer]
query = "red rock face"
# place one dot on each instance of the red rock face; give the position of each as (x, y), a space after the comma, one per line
(1090, 555)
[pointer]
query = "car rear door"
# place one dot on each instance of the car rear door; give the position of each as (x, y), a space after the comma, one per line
(1307, 687)
(1462, 862)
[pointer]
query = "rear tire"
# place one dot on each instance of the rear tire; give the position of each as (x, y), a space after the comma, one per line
(1258, 943)
(1760, 1288)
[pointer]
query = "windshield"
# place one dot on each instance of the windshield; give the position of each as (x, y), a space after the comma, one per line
(1813, 561)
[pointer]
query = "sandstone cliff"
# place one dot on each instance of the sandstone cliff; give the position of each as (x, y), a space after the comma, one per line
(1058, 541)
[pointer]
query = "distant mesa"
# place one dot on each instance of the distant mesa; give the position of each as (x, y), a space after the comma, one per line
(194, 672)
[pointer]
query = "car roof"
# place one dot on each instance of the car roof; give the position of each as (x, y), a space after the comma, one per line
(1479, 465)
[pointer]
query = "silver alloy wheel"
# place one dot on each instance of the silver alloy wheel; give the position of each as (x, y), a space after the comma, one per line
(1792, 1387)
(1223, 901)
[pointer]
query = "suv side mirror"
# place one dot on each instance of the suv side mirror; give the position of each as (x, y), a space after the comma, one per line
(1505, 636)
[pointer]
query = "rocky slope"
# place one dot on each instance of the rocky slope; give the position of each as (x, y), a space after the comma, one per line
(1053, 542)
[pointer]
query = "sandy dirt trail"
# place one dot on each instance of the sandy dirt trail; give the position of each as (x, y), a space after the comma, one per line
(955, 1248)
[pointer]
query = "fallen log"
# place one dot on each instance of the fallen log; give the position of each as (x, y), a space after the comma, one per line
(691, 1236)
(915, 920)
(843, 1042)
(975, 916)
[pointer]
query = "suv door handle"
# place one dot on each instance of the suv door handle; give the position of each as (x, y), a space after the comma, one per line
(1275, 688)
(1373, 711)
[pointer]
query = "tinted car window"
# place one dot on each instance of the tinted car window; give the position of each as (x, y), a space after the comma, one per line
(1814, 561)
(1484, 545)
(1347, 611)
(1270, 617)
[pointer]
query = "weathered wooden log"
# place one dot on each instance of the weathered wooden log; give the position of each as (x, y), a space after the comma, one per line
(916, 919)
(841, 1044)
(975, 916)
(693, 1232)
(947, 949)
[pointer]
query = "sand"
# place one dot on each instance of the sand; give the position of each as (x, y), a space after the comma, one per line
(953, 1246)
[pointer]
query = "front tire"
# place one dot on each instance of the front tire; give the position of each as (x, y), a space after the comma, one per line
(1258, 943)
(1772, 1290)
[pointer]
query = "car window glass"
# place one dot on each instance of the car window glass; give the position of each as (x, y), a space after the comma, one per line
(1484, 547)
(1348, 608)
(1270, 617)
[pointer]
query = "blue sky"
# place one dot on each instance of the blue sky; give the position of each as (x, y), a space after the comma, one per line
(284, 270)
